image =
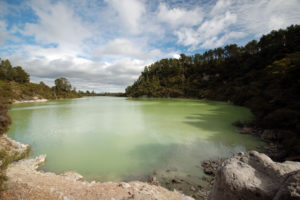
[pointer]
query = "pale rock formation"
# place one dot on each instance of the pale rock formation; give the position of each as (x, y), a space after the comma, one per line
(254, 175)
(25, 182)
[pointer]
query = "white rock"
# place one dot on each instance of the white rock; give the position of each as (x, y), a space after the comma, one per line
(250, 175)
(124, 185)
(72, 175)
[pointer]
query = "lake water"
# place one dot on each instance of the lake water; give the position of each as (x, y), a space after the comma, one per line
(113, 139)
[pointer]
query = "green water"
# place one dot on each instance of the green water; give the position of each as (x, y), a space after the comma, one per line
(109, 138)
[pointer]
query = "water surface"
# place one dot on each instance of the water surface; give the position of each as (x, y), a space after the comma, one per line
(113, 139)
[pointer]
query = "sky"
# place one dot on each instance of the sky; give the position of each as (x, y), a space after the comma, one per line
(103, 45)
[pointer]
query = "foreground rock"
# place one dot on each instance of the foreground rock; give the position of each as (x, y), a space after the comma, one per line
(12, 149)
(210, 167)
(253, 175)
(25, 182)
(290, 189)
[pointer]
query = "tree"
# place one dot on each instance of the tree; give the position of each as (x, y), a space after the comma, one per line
(63, 84)
(252, 47)
(20, 75)
(6, 70)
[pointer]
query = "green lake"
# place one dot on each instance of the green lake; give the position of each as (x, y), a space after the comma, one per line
(113, 139)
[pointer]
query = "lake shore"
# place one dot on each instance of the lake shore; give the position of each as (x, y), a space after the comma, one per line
(187, 178)
(272, 138)
(26, 182)
(29, 101)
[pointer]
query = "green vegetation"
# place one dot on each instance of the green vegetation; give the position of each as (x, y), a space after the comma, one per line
(117, 94)
(62, 85)
(263, 76)
(9, 73)
(15, 85)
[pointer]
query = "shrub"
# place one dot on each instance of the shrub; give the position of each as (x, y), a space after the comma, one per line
(281, 118)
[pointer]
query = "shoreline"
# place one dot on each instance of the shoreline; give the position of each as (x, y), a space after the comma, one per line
(29, 101)
(23, 174)
(177, 183)
(272, 148)
(26, 181)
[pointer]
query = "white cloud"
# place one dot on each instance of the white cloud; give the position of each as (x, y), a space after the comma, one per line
(114, 76)
(57, 24)
(121, 47)
(261, 16)
(130, 13)
(179, 17)
(220, 7)
(210, 34)
(228, 21)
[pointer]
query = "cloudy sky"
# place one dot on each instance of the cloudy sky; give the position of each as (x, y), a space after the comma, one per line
(103, 45)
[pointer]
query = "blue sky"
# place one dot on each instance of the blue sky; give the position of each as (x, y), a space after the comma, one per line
(104, 45)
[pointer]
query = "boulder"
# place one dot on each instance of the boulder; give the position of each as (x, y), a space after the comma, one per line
(290, 189)
(14, 150)
(253, 175)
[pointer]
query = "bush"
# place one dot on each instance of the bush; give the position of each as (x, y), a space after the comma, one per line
(281, 118)
(5, 120)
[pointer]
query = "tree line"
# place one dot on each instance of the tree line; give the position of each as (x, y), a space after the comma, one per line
(262, 75)
(15, 85)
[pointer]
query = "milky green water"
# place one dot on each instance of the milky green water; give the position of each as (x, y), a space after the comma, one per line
(109, 138)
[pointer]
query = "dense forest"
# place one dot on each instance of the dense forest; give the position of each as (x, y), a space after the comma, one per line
(262, 75)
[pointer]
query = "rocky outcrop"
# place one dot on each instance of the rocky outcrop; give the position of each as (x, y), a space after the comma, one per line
(25, 182)
(12, 149)
(254, 175)
(210, 167)
(290, 189)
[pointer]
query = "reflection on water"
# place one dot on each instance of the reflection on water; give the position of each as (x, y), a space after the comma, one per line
(117, 138)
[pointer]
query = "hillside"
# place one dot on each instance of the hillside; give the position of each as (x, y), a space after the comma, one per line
(15, 85)
(262, 75)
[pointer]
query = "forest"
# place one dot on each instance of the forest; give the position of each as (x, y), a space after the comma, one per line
(262, 75)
